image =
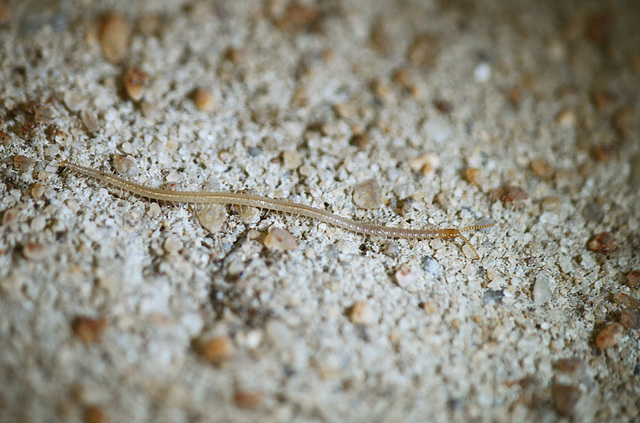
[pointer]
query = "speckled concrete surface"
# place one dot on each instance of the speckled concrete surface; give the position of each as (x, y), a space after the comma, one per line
(118, 309)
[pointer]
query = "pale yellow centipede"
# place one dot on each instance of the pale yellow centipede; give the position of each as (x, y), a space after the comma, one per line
(241, 199)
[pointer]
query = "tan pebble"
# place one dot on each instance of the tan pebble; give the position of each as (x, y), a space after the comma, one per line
(204, 100)
(248, 214)
(150, 24)
(630, 318)
(431, 307)
(135, 81)
(125, 165)
(426, 163)
(23, 163)
(406, 276)
(572, 365)
(37, 190)
(212, 217)
(550, 203)
(217, 350)
(95, 414)
(279, 240)
(361, 313)
(604, 242)
(291, 159)
(403, 78)
(88, 329)
(604, 153)
(473, 175)
(567, 118)
(381, 89)
(346, 110)
(565, 398)
(542, 168)
(360, 140)
(610, 336)
(246, 399)
(633, 278)
(424, 50)
(235, 55)
(38, 223)
(172, 245)
(366, 195)
(90, 121)
(380, 39)
(299, 17)
(36, 251)
(114, 37)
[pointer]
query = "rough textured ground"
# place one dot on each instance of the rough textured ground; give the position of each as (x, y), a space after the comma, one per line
(114, 308)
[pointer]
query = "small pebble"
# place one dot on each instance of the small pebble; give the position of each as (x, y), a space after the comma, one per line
(280, 240)
(512, 194)
(424, 50)
(361, 140)
(604, 153)
(172, 245)
(572, 365)
(217, 350)
(565, 398)
(11, 215)
(626, 300)
(482, 72)
(135, 81)
(38, 223)
(89, 329)
(212, 217)
(37, 190)
(610, 336)
(125, 165)
(567, 118)
(204, 100)
(550, 203)
(361, 313)
(5, 12)
(114, 37)
(367, 194)
(431, 266)
(36, 251)
(426, 163)
(623, 122)
(406, 276)
(438, 129)
(90, 121)
(474, 176)
(246, 399)
(633, 279)
(604, 242)
(542, 289)
(291, 159)
(346, 110)
(604, 100)
(542, 168)
(248, 214)
(630, 318)
(23, 163)
(95, 414)
(443, 106)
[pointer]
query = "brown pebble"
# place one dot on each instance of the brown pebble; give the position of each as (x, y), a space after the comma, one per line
(604, 100)
(114, 37)
(135, 81)
(443, 106)
(204, 100)
(36, 251)
(361, 313)
(630, 318)
(610, 336)
(599, 27)
(573, 365)
(473, 175)
(403, 78)
(5, 12)
(37, 190)
(94, 414)
(424, 50)
(366, 195)
(11, 215)
(623, 122)
(604, 242)
(633, 279)
(125, 165)
(626, 300)
(541, 168)
(280, 240)
(235, 55)
(515, 96)
(89, 329)
(360, 140)
(512, 194)
(217, 350)
(604, 153)
(23, 163)
(299, 17)
(246, 399)
(426, 163)
(380, 38)
(565, 397)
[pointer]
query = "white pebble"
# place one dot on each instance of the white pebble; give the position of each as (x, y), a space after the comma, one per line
(482, 72)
